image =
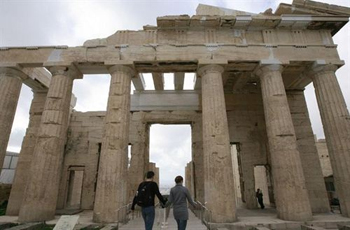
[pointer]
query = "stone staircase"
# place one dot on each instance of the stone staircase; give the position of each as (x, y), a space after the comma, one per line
(161, 222)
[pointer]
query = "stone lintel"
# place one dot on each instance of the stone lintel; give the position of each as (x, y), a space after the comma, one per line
(110, 63)
(204, 62)
(165, 100)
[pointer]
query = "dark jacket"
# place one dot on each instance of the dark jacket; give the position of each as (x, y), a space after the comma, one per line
(152, 190)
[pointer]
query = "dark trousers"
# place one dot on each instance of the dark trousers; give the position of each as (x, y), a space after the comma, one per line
(148, 214)
(261, 202)
(181, 224)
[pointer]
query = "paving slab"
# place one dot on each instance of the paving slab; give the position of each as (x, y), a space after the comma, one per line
(170, 224)
(66, 222)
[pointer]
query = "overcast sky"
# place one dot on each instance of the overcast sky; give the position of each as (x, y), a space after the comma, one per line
(71, 22)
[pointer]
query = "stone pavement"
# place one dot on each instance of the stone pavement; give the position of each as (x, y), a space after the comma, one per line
(137, 224)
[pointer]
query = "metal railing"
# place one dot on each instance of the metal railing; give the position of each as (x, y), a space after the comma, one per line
(125, 214)
(203, 213)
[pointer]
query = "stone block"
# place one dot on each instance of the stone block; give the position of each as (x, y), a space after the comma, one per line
(110, 227)
(66, 222)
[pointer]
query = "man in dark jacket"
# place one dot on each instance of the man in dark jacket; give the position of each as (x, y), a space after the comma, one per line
(259, 195)
(145, 198)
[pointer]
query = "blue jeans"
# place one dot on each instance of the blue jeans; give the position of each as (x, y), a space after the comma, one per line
(181, 224)
(148, 214)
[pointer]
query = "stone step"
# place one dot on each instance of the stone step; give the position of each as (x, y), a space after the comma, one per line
(7, 225)
(29, 226)
(110, 227)
(261, 228)
(344, 226)
(309, 227)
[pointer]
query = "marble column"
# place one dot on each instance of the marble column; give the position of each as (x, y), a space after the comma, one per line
(336, 124)
(10, 88)
(218, 182)
(310, 161)
(198, 162)
(292, 200)
(112, 174)
(41, 193)
(26, 154)
(137, 169)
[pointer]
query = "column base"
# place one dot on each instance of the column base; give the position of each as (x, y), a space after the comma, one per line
(35, 214)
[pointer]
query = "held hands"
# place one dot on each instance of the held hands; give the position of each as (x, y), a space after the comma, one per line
(163, 205)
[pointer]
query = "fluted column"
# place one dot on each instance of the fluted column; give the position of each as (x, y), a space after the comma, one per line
(26, 154)
(112, 174)
(137, 169)
(218, 182)
(198, 162)
(310, 161)
(292, 200)
(10, 88)
(40, 196)
(336, 124)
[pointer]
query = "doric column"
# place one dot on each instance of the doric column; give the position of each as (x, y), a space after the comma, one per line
(40, 196)
(10, 88)
(137, 169)
(198, 161)
(112, 174)
(308, 153)
(336, 124)
(26, 154)
(292, 200)
(218, 172)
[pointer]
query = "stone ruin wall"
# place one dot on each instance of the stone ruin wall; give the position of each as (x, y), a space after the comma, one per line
(246, 126)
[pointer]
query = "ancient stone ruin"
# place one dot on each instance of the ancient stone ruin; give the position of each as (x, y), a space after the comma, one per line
(251, 72)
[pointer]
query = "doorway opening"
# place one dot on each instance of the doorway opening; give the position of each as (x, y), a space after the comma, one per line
(75, 187)
(262, 182)
(170, 149)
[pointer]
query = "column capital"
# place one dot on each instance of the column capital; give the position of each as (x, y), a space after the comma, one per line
(13, 72)
(263, 69)
(122, 68)
(69, 71)
(211, 68)
(319, 68)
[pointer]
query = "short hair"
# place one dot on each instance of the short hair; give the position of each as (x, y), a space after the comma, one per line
(179, 179)
(149, 174)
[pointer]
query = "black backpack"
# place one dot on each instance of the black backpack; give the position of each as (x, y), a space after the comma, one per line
(143, 197)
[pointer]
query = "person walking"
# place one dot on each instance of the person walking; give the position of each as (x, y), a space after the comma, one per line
(144, 197)
(259, 195)
(179, 195)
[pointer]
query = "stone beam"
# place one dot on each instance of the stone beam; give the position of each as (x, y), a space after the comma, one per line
(179, 78)
(169, 58)
(158, 80)
(139, 82)
(165, 100)
(38, 78)
(197, 82)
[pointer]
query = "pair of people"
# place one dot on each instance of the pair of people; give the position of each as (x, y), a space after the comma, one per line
(179, 195)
